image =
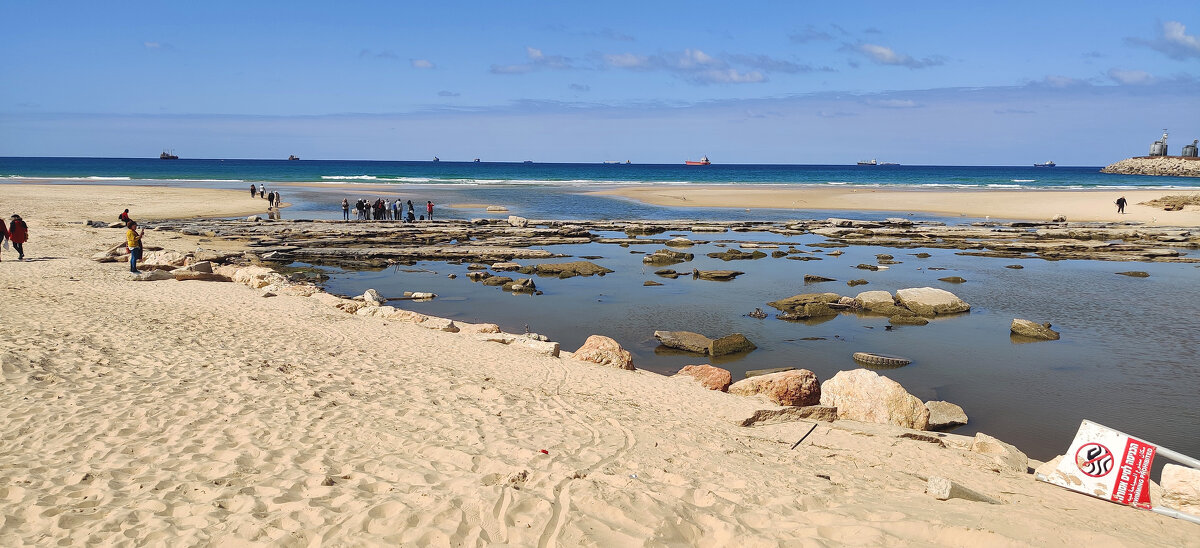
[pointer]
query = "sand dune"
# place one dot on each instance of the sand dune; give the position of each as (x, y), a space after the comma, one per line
(195, 413)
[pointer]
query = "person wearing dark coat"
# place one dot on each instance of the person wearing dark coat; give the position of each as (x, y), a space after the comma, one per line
(3, 231)
(18, 234)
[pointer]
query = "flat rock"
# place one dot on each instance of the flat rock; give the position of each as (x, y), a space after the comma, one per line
(907, 319)
(796, 387)
(874, 300)
(757, 372)
(717, 275)
(152, 276)
(789, 413)
(943, 414)
(1135, 274)
(865, 396)
(684, 340)
(680, 242)
(952, 280)
(1034, 330)
(573, 268)
(519, 222)
(797, 302)
(1005, 455)
(812, 278)
(929, 301)
(712, 378)
(605, 351)
(666, 257)
(505, 266)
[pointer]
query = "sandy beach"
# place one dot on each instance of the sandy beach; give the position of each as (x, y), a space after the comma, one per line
(203, 413)
(1043, 205)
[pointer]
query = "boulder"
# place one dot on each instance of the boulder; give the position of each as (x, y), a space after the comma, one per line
(664, 257)
(717, 275)
(757, 372)
(163, 259)
(684, 340)
(730, 344)
(680, 242)
(200, 266)
(573, 268)
(1003, 454)
(257, 277)
(796, 387)
(1034, 330)
(929, 301)
(605, 351)
(152, 276)
(478, 276)
(797, 302)
(505, 266)
(373, 298)
(712, 378)
(874, 300)
(736, 255)
(519, 222)
(943, 414)
(419, 295)
(810, 310)
(762, 417)
(863, 395)
(1181, 489)
(439, 324)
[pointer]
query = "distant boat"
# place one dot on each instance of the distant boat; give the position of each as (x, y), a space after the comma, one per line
(476, 160)
(1047, 164)
(628, 162)
(167, 156)
(888, 164)
(703, 162)
(436, 159)
(871, 162)
(612, 161)
(293, 157)
(528, 161)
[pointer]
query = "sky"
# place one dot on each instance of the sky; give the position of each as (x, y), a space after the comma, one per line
(964, 83)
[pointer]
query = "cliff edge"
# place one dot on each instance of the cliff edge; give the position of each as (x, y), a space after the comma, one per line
(1174, 166)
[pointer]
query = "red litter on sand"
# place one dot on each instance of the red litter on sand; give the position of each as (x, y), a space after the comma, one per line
(545, 452)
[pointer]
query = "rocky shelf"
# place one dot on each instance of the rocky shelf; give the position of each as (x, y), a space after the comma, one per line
(374, 244)
(1173, 166)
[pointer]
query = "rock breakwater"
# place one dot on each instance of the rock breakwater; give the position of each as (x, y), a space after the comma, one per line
(1157, 165)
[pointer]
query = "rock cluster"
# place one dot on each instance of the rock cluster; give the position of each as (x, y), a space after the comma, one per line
(700, 344)
(1173, 166)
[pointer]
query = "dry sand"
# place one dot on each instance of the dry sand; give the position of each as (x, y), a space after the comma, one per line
(1042, 205)
(197, 413)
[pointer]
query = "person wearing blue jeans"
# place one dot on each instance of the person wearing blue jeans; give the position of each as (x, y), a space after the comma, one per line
(133, 238)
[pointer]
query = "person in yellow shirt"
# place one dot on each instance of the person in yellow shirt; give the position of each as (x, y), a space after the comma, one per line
(133, 238)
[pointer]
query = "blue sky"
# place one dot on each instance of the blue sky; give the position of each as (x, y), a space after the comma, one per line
(1005, 83)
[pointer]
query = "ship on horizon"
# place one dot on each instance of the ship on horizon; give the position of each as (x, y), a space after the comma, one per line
(1048, 163)
(875, 162)
(702, 162)
(168, 156)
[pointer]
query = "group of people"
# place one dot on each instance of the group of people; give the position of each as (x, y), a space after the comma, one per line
(16, 233)
(274, 199)
(383, 210)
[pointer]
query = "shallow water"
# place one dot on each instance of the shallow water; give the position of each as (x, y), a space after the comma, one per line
(1127, 358)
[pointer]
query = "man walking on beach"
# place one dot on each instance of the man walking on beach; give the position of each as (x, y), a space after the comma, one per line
(429, 209)
(1121, 204)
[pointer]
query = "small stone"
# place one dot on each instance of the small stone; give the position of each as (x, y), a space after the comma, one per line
(1033, 330)
(943, 489)
(811, 278)
(853, 283)
(943, 414)
(952, 280)
(1135, 274)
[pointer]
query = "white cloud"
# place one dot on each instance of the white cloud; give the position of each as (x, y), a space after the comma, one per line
(421, 63)
(626, 60)
(446, 93)
(1173, 41)
(728, 76)
(884, 55)
(1130, 77)
(893, 103)
(537, 61)
(1056, 81)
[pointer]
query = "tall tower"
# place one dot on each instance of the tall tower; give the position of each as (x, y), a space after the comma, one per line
(1159, 148)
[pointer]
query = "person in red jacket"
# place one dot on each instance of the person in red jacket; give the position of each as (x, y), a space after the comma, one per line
(18, 234)
(429, 209)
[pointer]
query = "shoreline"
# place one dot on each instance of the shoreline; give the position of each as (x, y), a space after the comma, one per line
(272, 419)
(1043, 205)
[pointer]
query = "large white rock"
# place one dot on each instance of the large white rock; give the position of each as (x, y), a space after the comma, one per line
(1181, 489)
(152, 276)
(943, 414)
(519, 222)
(163, 258)
(605, 351)
(930, 301)
(871, 300)
(257, 276)
(863, 395)
(373, 298)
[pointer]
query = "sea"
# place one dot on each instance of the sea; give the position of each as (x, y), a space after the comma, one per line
(1129, 356)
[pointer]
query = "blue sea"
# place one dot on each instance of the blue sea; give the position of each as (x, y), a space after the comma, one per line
(506, 174)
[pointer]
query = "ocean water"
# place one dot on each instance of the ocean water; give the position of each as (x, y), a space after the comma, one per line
(1129, 357)
(568, 175)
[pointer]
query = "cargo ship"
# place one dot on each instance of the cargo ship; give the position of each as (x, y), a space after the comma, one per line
(702, 162)
(167, 156)
(1047, 164)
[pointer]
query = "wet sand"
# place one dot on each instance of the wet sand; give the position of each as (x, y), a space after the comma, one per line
(1042, 205)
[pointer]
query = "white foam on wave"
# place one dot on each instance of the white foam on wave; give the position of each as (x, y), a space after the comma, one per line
(997, 185)
(349, 177)
(99, 178)
(1024, 180)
